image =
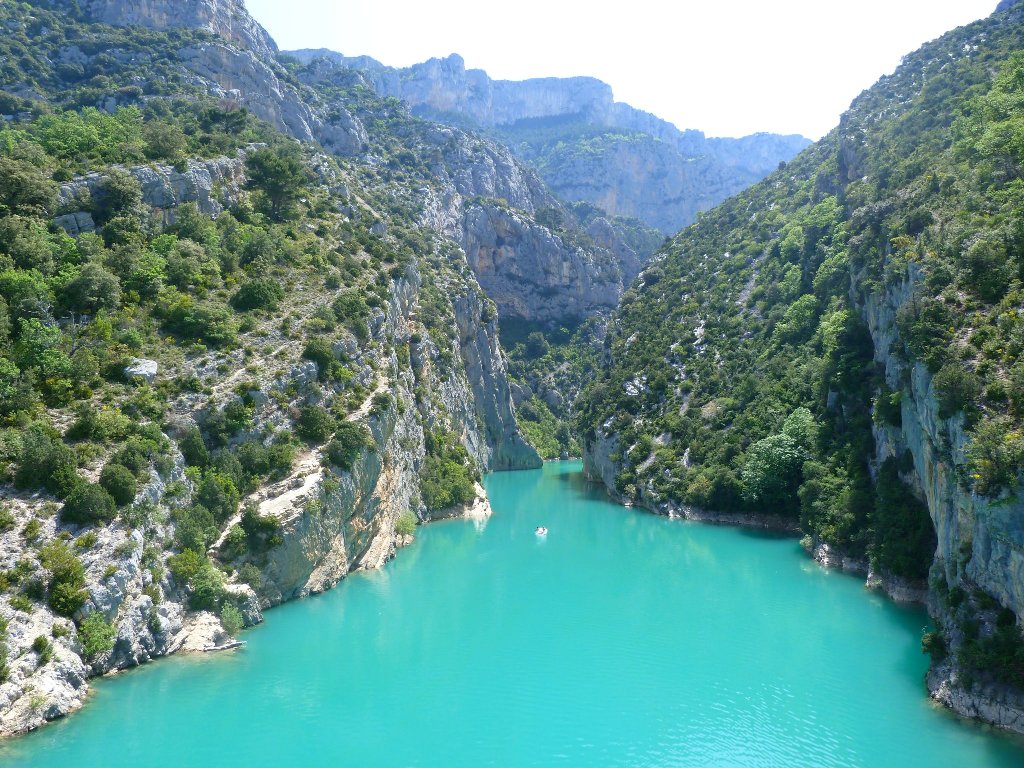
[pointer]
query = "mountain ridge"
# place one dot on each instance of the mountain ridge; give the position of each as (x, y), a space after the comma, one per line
(571, 130)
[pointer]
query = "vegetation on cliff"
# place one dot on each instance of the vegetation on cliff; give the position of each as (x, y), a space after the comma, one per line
(163, 362)
(753, 324)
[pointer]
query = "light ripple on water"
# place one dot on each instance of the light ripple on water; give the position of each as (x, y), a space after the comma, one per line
(621, 639)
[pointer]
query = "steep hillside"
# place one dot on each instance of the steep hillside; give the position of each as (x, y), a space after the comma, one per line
(242, 349)
(837, 349)
(586, 146)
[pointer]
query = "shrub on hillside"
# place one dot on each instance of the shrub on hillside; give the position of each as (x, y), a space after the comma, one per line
(44, 461)
(193, 448)
(263, 293)
(65, 591)
(956, 389)
(119, 482)
(406, 524)
(96, 634)
(88, 503)
(349, 439)
(315, 424)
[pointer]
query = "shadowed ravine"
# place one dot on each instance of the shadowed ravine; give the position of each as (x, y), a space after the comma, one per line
(622, 639)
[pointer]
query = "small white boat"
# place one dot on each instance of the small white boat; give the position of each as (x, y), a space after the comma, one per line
(541, 530)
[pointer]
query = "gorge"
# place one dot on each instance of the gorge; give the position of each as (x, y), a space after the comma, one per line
(263, 314)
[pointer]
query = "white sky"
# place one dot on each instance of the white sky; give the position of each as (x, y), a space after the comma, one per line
(727, 68)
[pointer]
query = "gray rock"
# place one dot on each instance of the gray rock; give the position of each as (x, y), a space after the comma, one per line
(522, 266)
(142, 368)
(227, 18)
(247, 79)
(642, 167)
(212, 185)
(76, 223)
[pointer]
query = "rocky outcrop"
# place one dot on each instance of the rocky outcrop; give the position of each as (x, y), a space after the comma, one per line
(332, 521)
(499, 444)
(241, 69)
(227, 18)
(531, 272)
(249, 80)
(642, 177)
(523, 244)
(213, 185)
(493, 206)
(440, 86)
(991, 703)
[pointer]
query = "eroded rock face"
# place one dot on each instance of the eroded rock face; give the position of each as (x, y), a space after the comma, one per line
(500, 444)
(977, 538)
(249, 79)
(213, 185)
(995, 704)
(242, 69)
(226, 18)
(642, 166)
(332, 521)
(531, 272)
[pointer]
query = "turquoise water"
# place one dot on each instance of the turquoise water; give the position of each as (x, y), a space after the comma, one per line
(622, 639)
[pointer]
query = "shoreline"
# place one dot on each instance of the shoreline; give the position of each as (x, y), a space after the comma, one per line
(986, 706)
(477, 511)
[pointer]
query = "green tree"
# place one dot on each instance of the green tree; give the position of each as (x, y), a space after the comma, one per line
(65, 588)
(164, 141)
(280, 175)
(118, 194)
(88, 503)
(262, 293)
(93, 290)
(97, 635)
(26, 189)
(119, 482)
(315, 424)
(231, 619)
(772, 473)
(956, 389)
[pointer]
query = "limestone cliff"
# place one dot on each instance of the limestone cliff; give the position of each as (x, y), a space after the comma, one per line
(331, 521)
(212, 185)
(524, 246)
(235, 62)
(228, 19)
(587, 146)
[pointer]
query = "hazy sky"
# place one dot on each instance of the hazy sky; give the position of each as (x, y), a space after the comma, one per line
(727, 68)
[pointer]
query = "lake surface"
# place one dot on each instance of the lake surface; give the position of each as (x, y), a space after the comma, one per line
(622, 639)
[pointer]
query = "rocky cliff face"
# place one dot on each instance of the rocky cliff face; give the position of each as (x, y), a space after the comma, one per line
(573, 130)
(212, 185)
(240, 69)
(405, 378)
(978, 539)
(446, 86)
(243, 77)
(524, 246)
(533, 273)
(226, 18)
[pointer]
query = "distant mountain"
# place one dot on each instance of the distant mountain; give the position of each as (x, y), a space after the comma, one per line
(587, 146)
